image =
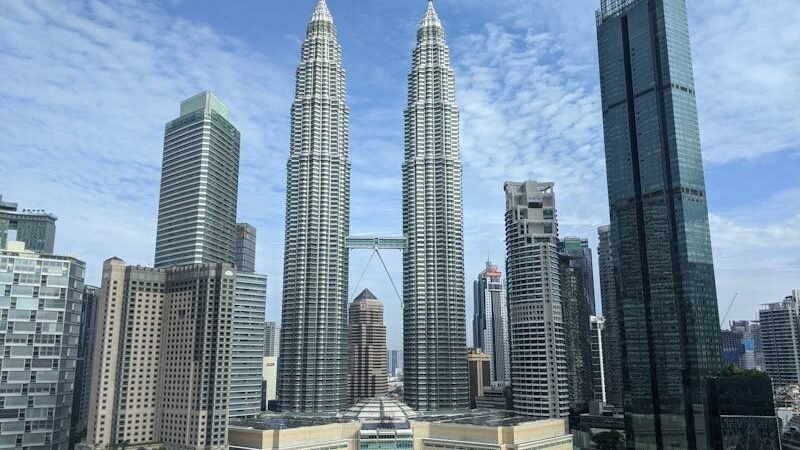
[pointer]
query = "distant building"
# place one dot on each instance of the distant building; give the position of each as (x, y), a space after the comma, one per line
(367, 377)
(577, 303)
(41, 318)
(37, 229)
(393, 358)
(743, 414)
(247, 344)
(612, 347)
(490, 322)
(780, 334)
(539, 375)
(479, 366)
(245, 248)
(598, 364)
(269, 389)
(272, 339)
(199, 185)
(741, 345)
(83, 366)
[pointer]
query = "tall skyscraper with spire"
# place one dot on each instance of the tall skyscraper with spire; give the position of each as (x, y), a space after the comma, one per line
(313, 362)
(434, 326)
(660, 239)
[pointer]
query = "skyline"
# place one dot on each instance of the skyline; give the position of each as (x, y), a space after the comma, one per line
(125, 225)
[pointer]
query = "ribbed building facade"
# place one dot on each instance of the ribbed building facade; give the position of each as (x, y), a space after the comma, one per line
(780, 335)
(367, 377)
(247, 344)
(490, 322)
(539, 374)
(434, 323)
(313, 356)
(199, 185)
(612, 347)
(660, 237)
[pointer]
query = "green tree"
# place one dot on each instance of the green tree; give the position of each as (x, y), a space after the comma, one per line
(608, 440)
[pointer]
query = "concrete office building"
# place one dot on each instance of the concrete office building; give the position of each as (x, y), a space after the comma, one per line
(123, 402)
(195, 367)
(539, 375)
(37, 229)
(40, 311)
(312, 369)
(598, 364)
(479, 365)
(490, 322)
(434, 368)
(780, 334)
(247, 345)
(660, 237)
(244, 257)
(83, 368)
(152, 325)
(367, 377)
(272, 339)
(199, 185)
(577, 300)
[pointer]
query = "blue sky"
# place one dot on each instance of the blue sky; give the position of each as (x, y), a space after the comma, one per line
(87, 87)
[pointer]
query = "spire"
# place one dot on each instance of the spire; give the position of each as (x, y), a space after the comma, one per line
(322, 13)
(431, 19)
(366, 294)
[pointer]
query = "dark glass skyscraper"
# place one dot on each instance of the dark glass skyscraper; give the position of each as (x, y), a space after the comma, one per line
(659, 222)
(244, 256)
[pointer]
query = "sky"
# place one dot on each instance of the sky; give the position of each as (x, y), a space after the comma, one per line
(87, 87)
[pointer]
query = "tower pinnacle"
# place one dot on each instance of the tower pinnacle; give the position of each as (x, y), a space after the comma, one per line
(431, 19)
(322, 13)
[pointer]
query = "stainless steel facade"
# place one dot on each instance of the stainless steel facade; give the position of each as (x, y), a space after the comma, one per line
(312, 367)
(434, 323)
(199, 186)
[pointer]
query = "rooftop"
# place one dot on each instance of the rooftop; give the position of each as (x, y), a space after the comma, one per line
(479, 417)
(380, 410)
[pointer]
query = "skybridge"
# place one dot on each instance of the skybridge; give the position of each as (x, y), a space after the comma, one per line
(376, 244)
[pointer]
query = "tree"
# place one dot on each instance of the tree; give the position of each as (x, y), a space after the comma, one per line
(608, 440)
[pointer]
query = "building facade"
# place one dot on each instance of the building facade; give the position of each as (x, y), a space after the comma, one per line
(40, 311)
(577, 303)
(434, 368)
(612, 346)
(598, 363)
(312, 370)
(244, 256)
(199, 185)
(37, 229)
(743, 413)
(83, 366)
(490, 322)
(272, 339)
(539, 373)
(367, 377)
(247, 344)
(660, 237)
(780, 335)
(479, 365)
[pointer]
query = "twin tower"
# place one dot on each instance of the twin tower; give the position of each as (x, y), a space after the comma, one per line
(313, 364)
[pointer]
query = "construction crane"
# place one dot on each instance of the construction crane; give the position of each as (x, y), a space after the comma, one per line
(728, 311)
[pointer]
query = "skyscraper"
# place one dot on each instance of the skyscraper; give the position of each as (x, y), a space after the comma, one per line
(780, 334)
(598, 364)
(37, 229)
(199, 185)
(539, 375)
(41, 311)
(612, 347)
(660, 238)
(247, 344)
(577, 303)
(312, 367)
(245, 248)
(367, 377)
(85, 359)
(272, 339)
(490, 323)
(434, 326)
(479, 366)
